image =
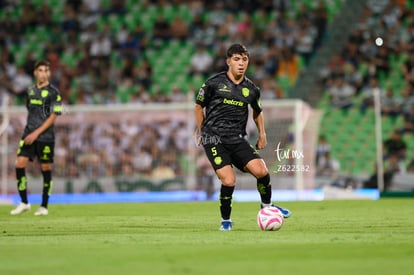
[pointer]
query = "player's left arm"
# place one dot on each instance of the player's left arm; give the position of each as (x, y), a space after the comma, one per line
(259, 121)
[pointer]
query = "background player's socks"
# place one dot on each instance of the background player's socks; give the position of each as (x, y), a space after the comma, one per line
(47, 187)
(22, 184)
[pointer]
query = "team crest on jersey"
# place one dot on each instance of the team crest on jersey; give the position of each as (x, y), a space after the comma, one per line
(245, 92)
(44, 93)
(218, 160)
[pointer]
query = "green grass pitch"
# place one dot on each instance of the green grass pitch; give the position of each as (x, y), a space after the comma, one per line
(326, 237)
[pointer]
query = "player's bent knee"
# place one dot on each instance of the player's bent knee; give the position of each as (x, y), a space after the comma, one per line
(262, 173)
(257, 168)
(228, 181)
(226, 176)
(21, 163)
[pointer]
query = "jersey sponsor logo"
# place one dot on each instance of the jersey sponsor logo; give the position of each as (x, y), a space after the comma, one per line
(224, 89)
(245, 92)
(233, 102)
(34, 101)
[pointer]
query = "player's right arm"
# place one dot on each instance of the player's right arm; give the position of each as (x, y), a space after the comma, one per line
(201, 101)
(199, 112)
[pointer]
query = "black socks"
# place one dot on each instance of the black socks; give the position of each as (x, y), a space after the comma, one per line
(265, 189)
(47, 187)
(22, 184)
(226, 195)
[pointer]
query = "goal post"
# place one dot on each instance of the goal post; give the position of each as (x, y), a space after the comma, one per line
(151, 147)
(292, 130)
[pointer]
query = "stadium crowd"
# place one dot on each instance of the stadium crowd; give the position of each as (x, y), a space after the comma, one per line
(363, 66)
(101, 50)
(379, 55)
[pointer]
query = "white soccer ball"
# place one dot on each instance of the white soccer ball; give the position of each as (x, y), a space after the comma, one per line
(270, 219)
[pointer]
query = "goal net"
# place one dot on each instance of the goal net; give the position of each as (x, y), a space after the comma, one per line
(151, 147)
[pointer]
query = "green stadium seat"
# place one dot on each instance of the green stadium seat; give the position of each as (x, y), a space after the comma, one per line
(69, 59)
(133, 5)
(169, 12)
(105, 3)
(197, 81)
(130, 22)
(185, 13)
(115, 23)
(123, 94)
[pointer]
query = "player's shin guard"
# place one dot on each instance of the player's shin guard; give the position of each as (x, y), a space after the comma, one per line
(226, 195)
(265, 189)
(22, 184)
(47, 187)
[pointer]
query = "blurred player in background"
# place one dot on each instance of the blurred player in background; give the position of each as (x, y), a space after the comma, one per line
(43, 105)
(222, 130)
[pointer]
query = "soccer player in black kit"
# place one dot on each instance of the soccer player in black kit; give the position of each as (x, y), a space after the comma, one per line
(43, 104)
(222, 112)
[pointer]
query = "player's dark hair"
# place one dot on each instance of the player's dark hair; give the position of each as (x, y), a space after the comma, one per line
(237, 49)
(41, 63)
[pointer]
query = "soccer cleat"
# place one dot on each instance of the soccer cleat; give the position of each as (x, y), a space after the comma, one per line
(42, 211)
(286, 212)
(22, 207)
(226, 226)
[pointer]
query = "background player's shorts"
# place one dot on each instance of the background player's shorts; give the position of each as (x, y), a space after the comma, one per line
(44, 151)
(238, 154)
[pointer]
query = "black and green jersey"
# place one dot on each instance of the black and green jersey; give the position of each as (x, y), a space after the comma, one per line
(226, 108)
(40, 104)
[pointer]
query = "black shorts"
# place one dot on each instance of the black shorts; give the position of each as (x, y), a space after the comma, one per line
(44, 151)
(238, 154)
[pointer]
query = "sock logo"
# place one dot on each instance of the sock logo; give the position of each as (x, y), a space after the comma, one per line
(22, 184)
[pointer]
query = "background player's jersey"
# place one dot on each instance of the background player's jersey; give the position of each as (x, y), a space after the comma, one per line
(40, 104)
(226, 105)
